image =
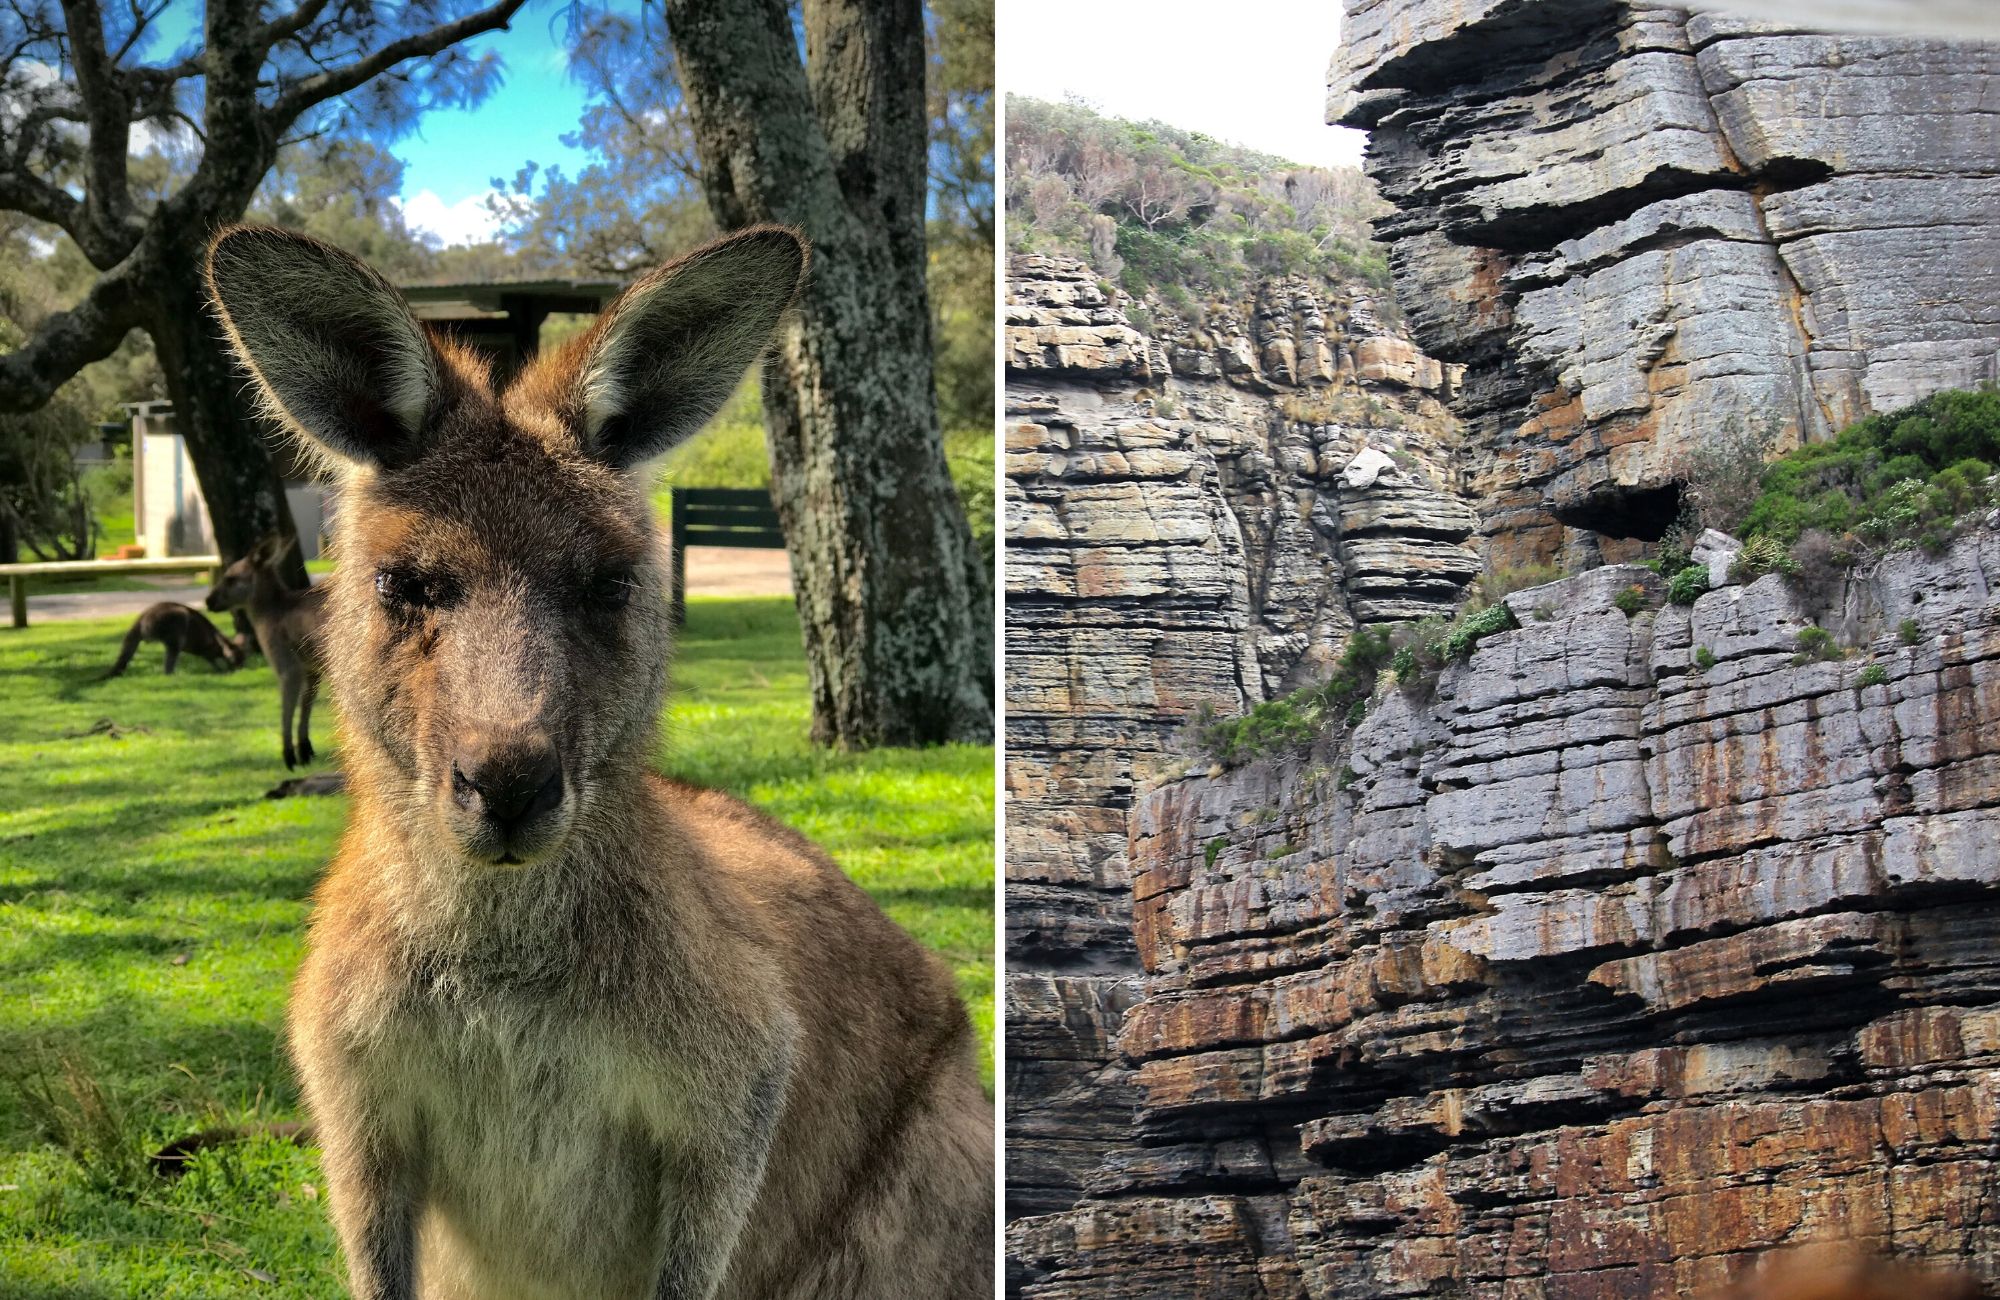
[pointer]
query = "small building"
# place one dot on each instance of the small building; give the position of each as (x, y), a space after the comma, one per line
(502, 318)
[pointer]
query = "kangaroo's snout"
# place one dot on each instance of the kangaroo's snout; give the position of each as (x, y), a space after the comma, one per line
(505, 786)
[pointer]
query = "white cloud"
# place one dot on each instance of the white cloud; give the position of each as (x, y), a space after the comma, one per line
(1252, 72)
(464, 222)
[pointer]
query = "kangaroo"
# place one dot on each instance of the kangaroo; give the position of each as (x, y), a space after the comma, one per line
(178, 628)
(566, 1028)
(288, 625)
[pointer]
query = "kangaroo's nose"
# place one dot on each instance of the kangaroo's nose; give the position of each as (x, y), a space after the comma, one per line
(509, 781)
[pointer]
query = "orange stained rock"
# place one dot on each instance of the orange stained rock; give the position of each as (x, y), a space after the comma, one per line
(1835, 1273)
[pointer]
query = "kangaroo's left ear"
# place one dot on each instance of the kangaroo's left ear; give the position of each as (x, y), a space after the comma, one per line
(668, 352)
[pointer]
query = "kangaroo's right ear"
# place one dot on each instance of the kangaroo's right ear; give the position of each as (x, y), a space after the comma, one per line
(332, 346)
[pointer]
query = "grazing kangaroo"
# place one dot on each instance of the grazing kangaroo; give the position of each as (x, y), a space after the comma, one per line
(288, 625)
(566, 1028)
(178, 628)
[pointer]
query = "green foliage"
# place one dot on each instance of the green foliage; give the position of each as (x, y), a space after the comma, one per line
(1631, 600)
(154, 911)
(1171, 211)
(1295, 720)
(1704, 659)
(1348, 776)
(1759, 556)
(1213, 851)
(1815, 643)
(1688, 584)
(1909, 632)
(1458, 642)
(1873, 675)
(1895, 479)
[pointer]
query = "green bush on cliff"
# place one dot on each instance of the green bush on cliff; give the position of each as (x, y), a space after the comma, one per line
(1296, 720)
(1459, 641)
(1894, 479)
(1688, 584)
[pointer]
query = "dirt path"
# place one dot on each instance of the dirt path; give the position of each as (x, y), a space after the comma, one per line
(712, 571)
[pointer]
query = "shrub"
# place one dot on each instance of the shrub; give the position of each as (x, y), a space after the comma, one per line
(1720, 476)
(1946, 445)
(1759, 556)
(1873, 675)
(1404, 663)
(1348, 776)
(1820, 564)
(1688, 584)
(1631, 600)
(1494, 587)
(1815, 643)
(1213, 851)
(1297, 719)
(1909, 632)
(1459, 640)
(1704, 659)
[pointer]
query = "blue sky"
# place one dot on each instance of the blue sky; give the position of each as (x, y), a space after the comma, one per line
(450, 160)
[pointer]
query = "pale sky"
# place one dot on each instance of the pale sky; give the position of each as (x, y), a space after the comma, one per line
(1249, 71)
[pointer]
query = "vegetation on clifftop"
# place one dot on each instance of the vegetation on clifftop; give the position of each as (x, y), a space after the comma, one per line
(1155, 207)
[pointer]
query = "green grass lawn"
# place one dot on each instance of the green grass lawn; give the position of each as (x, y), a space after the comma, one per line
(151, 904)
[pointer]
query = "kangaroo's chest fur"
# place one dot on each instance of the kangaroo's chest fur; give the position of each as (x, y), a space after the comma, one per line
(539, 1135)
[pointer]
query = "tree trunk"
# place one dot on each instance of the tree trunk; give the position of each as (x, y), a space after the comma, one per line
(896, 618)
(229, 445)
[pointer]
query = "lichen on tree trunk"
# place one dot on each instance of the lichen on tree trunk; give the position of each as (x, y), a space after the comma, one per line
(896, 621)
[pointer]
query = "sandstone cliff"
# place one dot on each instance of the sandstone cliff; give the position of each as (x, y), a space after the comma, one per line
(1631, 224)
(1179, 533)
(1595, 972)
(1592, 974)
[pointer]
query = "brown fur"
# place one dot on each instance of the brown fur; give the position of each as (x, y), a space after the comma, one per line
(288, 625)
(645, 1042)
(178, 628)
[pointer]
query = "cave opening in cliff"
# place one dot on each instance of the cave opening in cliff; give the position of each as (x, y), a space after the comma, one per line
(1644, 513)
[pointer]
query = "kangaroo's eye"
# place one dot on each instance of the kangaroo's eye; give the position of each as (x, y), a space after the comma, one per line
(611, 589)
(408, 589)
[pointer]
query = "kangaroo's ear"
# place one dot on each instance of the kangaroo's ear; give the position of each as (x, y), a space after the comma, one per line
(332, 346)
(668, 352)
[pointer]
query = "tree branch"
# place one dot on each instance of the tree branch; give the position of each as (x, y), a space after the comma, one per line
(338, 81)
(25, 193)
(283, 29)
(67, 341)
(107, 101)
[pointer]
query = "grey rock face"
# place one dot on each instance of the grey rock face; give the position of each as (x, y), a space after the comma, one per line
(1590, 961)
(1632, 224)
(1178, 537)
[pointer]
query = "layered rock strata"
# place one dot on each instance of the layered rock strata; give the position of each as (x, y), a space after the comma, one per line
(1179, 535)
(1633, 225)
(1637, 945)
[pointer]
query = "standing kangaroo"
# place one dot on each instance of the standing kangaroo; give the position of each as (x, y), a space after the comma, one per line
(178, 628)
(288, 624)
(566, 1028)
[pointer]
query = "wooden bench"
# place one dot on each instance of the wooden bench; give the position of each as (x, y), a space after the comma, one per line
(736, 517)
(18, 574)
